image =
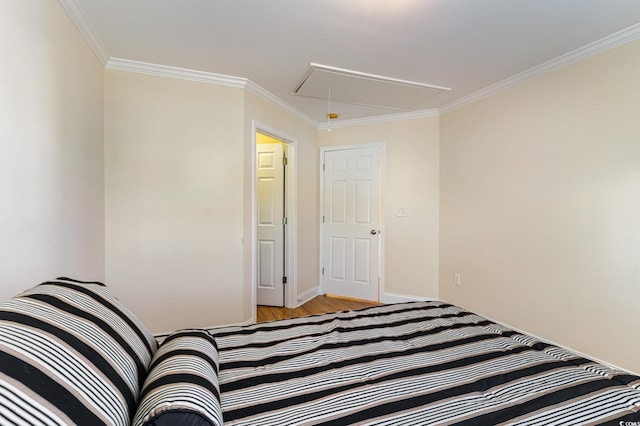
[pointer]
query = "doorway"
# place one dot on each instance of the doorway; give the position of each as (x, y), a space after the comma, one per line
(351, 221)
(271, 181)
(274, 218)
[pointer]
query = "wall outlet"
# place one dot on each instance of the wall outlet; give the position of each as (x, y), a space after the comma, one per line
(401, 212)
(456, 279)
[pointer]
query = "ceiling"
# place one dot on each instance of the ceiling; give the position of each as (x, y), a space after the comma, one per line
(468, 46)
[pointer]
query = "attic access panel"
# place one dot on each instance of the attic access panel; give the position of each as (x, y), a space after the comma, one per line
(359, 88)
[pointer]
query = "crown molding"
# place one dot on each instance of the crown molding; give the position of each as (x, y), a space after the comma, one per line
(276, 101)
(175, 72)
(76, 15)
(206, 77)
(604, 44)
(379, 119)
(243, 83)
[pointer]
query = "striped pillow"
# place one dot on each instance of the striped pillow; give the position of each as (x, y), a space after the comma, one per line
(70, 353)
(182, 386)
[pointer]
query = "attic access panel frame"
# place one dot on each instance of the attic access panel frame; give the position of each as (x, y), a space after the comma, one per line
(358, 88)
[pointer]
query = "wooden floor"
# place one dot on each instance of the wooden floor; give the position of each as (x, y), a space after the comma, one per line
(317, 305)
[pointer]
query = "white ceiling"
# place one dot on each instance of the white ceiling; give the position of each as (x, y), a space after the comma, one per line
(466, 45)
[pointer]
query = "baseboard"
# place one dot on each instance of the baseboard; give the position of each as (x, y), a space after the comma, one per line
(301, 300)
(403, 298)
(551, 342)
(307, 295)
(161, 336)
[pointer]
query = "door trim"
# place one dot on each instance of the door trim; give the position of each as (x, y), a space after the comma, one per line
(382, 148)
(291, 244)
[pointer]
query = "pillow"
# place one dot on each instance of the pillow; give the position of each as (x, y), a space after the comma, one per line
(182, 386)
(70, 353)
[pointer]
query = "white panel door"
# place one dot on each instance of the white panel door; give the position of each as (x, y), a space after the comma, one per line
(270, 212)
(350, 226)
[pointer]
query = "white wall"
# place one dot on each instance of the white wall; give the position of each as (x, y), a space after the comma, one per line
(412, 180)
(174, 199)
(51, 152)
(540, 206)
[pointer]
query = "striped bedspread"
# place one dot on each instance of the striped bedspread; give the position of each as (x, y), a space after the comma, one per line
(412, 364)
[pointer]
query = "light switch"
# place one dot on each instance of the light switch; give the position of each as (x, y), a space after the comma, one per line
(401, 212)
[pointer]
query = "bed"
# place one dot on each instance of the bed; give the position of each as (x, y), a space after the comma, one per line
(416, 363)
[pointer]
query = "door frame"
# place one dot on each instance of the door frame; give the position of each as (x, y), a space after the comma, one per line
(291, 243)
(382, 149)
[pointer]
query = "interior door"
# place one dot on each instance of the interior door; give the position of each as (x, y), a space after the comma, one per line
(270, 223)
(351, 239)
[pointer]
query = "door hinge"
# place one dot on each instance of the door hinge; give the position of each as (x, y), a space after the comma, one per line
(323, 167)
(284, 280)
(322, 219)
(285, 160)
(323, 270)
(284, 220)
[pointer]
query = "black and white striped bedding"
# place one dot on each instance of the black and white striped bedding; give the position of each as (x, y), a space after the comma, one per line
(70, 353)
(182, 385)
(412, 364)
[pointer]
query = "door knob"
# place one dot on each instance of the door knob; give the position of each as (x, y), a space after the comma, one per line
(374, 232)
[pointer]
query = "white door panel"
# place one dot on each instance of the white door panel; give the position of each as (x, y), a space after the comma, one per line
(338, 259)
(351, 213)
(266, 204)
(362, 261)
(266, 264)
(362, 215)
(339, 202)
(270, 197)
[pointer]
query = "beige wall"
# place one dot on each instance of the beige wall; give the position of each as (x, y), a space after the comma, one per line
(306, 181)
(532, 193)
(51, 156)
(411, 182)
(174, 185)
(179, 198)
(540, 206)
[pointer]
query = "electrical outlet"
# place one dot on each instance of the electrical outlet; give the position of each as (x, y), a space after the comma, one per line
(456, 279)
